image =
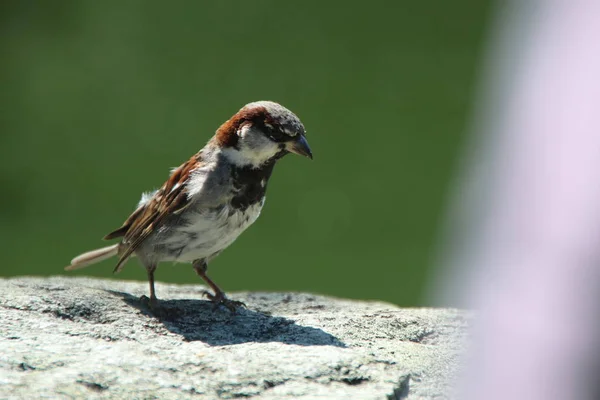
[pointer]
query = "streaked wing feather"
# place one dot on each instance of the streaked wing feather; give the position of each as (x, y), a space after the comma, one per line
(126, 225)
(171, 198)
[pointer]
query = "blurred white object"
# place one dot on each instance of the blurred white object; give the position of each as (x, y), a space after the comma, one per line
(523, 242)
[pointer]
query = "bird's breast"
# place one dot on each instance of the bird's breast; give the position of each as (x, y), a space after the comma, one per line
(203, 233)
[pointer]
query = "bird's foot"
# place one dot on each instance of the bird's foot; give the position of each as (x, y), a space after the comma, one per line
(150, 302)
(220, 299)
(156, 308)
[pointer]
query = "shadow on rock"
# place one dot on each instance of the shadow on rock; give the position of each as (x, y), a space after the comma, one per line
(199, 320)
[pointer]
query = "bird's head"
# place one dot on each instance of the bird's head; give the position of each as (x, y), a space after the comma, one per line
(260, 133)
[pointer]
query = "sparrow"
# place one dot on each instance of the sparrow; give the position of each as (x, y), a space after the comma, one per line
(208, 201)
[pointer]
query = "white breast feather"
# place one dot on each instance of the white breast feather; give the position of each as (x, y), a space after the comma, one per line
(207, 233)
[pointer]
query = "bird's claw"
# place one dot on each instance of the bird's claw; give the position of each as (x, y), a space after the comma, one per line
(220, 299)
(151, 303)
(157, 309)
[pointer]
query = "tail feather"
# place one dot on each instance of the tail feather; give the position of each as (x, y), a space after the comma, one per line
(93, 257)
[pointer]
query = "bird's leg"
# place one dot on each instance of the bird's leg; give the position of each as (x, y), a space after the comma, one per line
(152, 302)
(161, 311)
(200, 266)
(153, 299)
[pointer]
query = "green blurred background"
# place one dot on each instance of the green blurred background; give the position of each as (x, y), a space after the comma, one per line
(100, 98)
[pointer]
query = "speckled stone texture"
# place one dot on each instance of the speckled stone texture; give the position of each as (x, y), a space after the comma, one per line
(89, 338)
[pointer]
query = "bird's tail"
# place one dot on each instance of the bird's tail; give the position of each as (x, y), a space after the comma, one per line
(92, 257)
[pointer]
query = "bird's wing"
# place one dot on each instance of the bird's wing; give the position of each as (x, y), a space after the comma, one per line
(171, 199)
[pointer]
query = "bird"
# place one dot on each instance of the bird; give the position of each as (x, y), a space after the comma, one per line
(209, 200)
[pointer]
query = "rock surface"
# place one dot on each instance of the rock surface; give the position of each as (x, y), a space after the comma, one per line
(89, 338)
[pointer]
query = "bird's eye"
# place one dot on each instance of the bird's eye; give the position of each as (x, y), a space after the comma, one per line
(274, 133)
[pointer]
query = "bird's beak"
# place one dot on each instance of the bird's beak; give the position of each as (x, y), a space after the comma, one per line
(300, 147)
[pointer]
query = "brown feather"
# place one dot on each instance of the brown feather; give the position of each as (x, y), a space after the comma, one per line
(116, 233)
(226, 135)
(169, 199)
(122, 231)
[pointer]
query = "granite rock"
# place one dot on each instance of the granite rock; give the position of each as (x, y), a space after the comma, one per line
(90, 338)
